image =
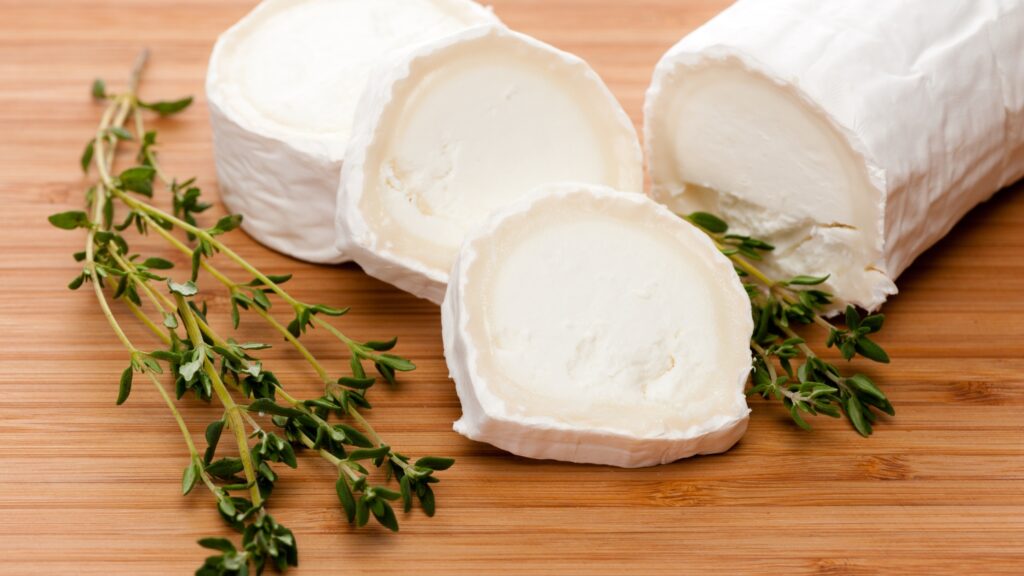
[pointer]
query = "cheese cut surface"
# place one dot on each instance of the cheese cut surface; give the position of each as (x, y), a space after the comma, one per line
(462, 127)
(851, 136)
(283, 85)
(588, 325)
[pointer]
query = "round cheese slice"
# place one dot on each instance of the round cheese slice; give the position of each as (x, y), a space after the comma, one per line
(283, 84)
(461, 127)
(852, 135)
(588, 325)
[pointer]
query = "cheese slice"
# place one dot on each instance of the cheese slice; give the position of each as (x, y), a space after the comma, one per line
(283, 84)
(463, 126)
(588, 325)
(852, 135)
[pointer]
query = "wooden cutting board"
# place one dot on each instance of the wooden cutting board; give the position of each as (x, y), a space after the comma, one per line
(90, 488)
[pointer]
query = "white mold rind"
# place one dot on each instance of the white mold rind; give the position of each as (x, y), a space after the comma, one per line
(284, 181)
(929, 95)
(485, 415)
(279, 189)
(357, 237)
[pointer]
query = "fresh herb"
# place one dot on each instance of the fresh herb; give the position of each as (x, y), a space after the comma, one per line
(215, 368)
(785, 367)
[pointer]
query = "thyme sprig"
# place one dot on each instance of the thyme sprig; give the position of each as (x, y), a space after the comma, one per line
(786, 368)
(202, 362)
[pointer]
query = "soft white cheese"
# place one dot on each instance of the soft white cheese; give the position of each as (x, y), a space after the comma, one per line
(463, 126)
(283, 84)
(588, 325)
(853, 135)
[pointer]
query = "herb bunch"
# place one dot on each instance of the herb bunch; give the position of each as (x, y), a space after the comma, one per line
(785, 367)
(266, 423)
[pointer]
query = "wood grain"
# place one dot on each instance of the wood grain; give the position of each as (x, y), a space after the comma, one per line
(90, 488)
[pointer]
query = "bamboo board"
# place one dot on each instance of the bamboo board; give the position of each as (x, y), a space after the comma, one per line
(90, 488)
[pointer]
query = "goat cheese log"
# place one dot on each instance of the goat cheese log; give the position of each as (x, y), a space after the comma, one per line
(853, 135)
(460, 127)
(588, 325)
(283, 84)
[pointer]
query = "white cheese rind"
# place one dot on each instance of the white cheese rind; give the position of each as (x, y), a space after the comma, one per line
(279, 190)
(283, 84)
(588, 325)
(894, 118)
(463, 126)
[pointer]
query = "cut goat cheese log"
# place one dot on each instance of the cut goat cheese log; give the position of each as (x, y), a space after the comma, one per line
(852, 135)
(283, 85)
(463, 126)
(595, 326)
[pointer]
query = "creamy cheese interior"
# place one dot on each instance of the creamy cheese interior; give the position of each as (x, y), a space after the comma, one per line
(298, 67)
(478, 124)
(730, 141)
(610, 314)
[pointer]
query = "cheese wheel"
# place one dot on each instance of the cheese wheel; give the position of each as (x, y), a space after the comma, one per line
(460, 127)
(283, 84)
(853, 135)
(588, 325)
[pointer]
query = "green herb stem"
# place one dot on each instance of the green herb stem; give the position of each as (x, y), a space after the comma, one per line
(115, 115)
(192, 450)
(152, 213)
(299, 346)
(788, 331)
(183, 248)
(235, 421)
(161, 302)
(140, 130)
(790, 299)
(217, 339)
(203, 234)
(194, 360)
(90, 257)
(142, 317)
(772, 285)
(785, 366)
